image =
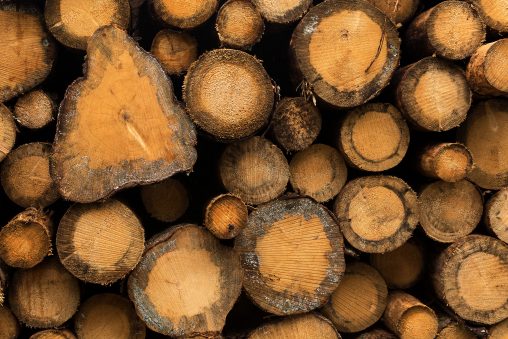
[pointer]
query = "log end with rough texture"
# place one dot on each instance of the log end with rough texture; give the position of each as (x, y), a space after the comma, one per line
(346, 52)
(494, 13)
(282, 12)
(450, 162)
(53, 334)
(184, 14)
(8, 324)
(496, 214)
(7, 131)
(175, 51)
(486, 69)
(186, 283)
(292, 256)
(399, 12)
(34, 110)
(226, 216)
(499, 331)
(166, 200)
(110, 135)
(449, 329)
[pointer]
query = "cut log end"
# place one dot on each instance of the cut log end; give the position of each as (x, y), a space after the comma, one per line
(8, 324)
(34, 110)
(374, 137)
(72, 24)
(377, 214)
(450, 162)
(399, 12)
(454, 330)
(175, 51)
(499, 331)
(25, 176)
(494, 13)
(255, 170)
(280, 275)
(53, 334)
(101, 242)
(228, 94)
(185, 14)
(7, 131)
(359, 300)
(239, 24)
(485, 69)
(345, 51)
(166, 201)
(471, 277)
(226, 216)
(282, 12)
(496, 214)
(149, 137)
(319, 172)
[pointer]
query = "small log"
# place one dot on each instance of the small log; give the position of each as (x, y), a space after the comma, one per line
(53, 334)
(449, 329)
(28, 57)
(254, 169)
(7, 131)
(226, 216)
(499, 331)
(318, 171)
(228, 94)
(449, 162)
(175, 51)
(407, 317)
(292, 255)
(26, 240)
(105, 316)
(429, 106)
(377, 333)
(402, 267)
(34, 110)
(374, 137)
(494, 13)
(346, 52)
(72, 24)
(8, 324)
(303, 326)
(450, 210)
(186, 282)
(452, 29)
(485, 70)
(496, 214)
(185, 14)
(399, 12)
(101, 242)
(149, 137)
(359, 301)
(282, 12)
(239, 24)
(296, 123)
(45, 295)
(377, 214)
(471, 277)
(165, 201)
(485, 133)
(25, 176)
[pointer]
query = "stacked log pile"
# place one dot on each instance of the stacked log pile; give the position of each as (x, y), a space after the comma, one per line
(254, 169)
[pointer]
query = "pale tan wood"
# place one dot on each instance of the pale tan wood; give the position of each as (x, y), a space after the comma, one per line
(449, 329)
(499, 331)
(282, 12)
(398, 11)
(34, 110)
(166, 200)
(175, 51)
(449, 162)
(7, 131)
(226, 216)
(486, 69)
(185, 14)
(494, 13)
(496, 214)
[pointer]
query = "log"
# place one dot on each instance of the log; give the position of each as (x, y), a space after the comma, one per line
(149, 136)
(407, 317)
(25, 176)
(72, 24)
(100, 243)
(228, 94)
(377, 333)
(165, 201)
(377, 214)
(45, 295)
(452, 29)
(374, 137)
(499, 331)
(450, 210)
(449, 329)
(53, 334)
(359, 301)
(34, 110)
(26, 240)
(7, 131)
(402, 267)
(318, 171)
(254, 169)
(450, 162)
(8, 324)
(496, 214)
(485, 69)
(494, 13)
(399, 12)
(226, 216)
(471, 277)
(186, 282)
(175, 51)
(295, 124)
(310, 325)
(239, 24)
(485, 133)
(282, 12)
(29, 51)
(426, 105)
(107, 315)
(184, 14)
(292, 256)
(346, 52)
